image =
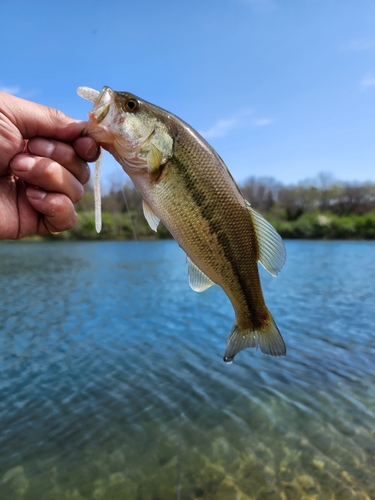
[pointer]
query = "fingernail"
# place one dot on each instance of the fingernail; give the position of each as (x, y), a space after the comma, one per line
(91, 151)
(22, 164)
(35, 193)
(41, 147)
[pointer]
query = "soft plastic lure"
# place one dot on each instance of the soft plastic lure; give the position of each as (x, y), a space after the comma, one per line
(92, 95)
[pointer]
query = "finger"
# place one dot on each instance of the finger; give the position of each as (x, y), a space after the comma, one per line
(62, 153)
(58, 210)
(47, 174)
(87, 148)
(34, 119)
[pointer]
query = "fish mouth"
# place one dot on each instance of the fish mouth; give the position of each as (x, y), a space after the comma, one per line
(102, 105)
(96, 127)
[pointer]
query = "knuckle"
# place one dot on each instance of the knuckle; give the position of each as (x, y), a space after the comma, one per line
(58, 205)
(56, 116)
(71, 222)
(65, 154)
(79, 194)
(49, 169)
(86, 174)
(61, 213)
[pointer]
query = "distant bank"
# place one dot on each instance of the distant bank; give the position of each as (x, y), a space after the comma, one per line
(306, 226)
(317, 209)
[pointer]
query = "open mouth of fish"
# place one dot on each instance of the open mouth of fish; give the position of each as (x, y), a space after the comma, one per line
(102, 102)
(102, 105)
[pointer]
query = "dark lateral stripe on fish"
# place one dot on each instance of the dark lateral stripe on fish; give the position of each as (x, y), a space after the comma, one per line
(207, 212)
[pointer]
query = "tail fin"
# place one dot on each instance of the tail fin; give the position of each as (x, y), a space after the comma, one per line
(268, 338)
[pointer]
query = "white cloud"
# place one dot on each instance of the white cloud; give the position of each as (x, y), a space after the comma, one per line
(11, 90)
(368, 81)
(220, 128)
(17, 91)
(262, 122)
(223, 126)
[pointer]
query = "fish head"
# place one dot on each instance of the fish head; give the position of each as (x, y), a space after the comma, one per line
(127, 126)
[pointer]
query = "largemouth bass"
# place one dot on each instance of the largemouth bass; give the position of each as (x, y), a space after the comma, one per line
(185, 184)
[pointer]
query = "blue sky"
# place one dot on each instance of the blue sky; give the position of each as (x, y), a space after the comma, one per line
(280, 88)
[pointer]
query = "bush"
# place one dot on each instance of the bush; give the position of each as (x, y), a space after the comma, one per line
(327, 226)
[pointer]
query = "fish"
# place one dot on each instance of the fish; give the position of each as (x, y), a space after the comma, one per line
(185, 184)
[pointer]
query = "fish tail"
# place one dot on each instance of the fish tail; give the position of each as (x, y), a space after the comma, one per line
(267, 338)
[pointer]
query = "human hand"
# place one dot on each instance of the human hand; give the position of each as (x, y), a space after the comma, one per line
(42, 168)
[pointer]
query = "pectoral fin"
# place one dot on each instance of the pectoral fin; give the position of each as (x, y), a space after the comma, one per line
(154, 160)
(198, 281)
(272, 253)
(152, 219)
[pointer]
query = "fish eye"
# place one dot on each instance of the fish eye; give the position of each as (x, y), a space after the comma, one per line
(131, 105)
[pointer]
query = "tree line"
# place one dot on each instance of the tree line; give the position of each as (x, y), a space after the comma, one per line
(319, 208)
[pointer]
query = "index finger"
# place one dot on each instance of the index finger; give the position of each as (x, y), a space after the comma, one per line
(61, 153)
(34, 119)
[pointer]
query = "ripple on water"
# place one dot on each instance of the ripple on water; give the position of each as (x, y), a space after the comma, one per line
(112, 384)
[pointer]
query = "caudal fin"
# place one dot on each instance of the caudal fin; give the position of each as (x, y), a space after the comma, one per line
(267, 338)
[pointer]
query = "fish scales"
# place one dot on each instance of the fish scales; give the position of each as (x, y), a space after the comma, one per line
(203, 230)
(185, 184)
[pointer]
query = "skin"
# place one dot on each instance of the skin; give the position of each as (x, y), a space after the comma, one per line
(42, 168)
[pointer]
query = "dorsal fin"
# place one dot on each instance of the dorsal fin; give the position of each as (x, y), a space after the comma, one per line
(198, 281)
(152, 219)
(272, 253)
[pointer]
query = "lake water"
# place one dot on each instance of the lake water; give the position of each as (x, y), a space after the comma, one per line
(112, 384)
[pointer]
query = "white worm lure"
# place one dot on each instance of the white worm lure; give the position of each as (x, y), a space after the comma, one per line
(97, 195)
(92, 95)
(88, 94)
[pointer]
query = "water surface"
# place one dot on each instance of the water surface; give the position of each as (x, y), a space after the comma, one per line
(112, 384)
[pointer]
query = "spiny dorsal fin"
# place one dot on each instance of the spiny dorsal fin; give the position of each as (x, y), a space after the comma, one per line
(154, 160)
(198, 281)
(272, 253)
(152, 219)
